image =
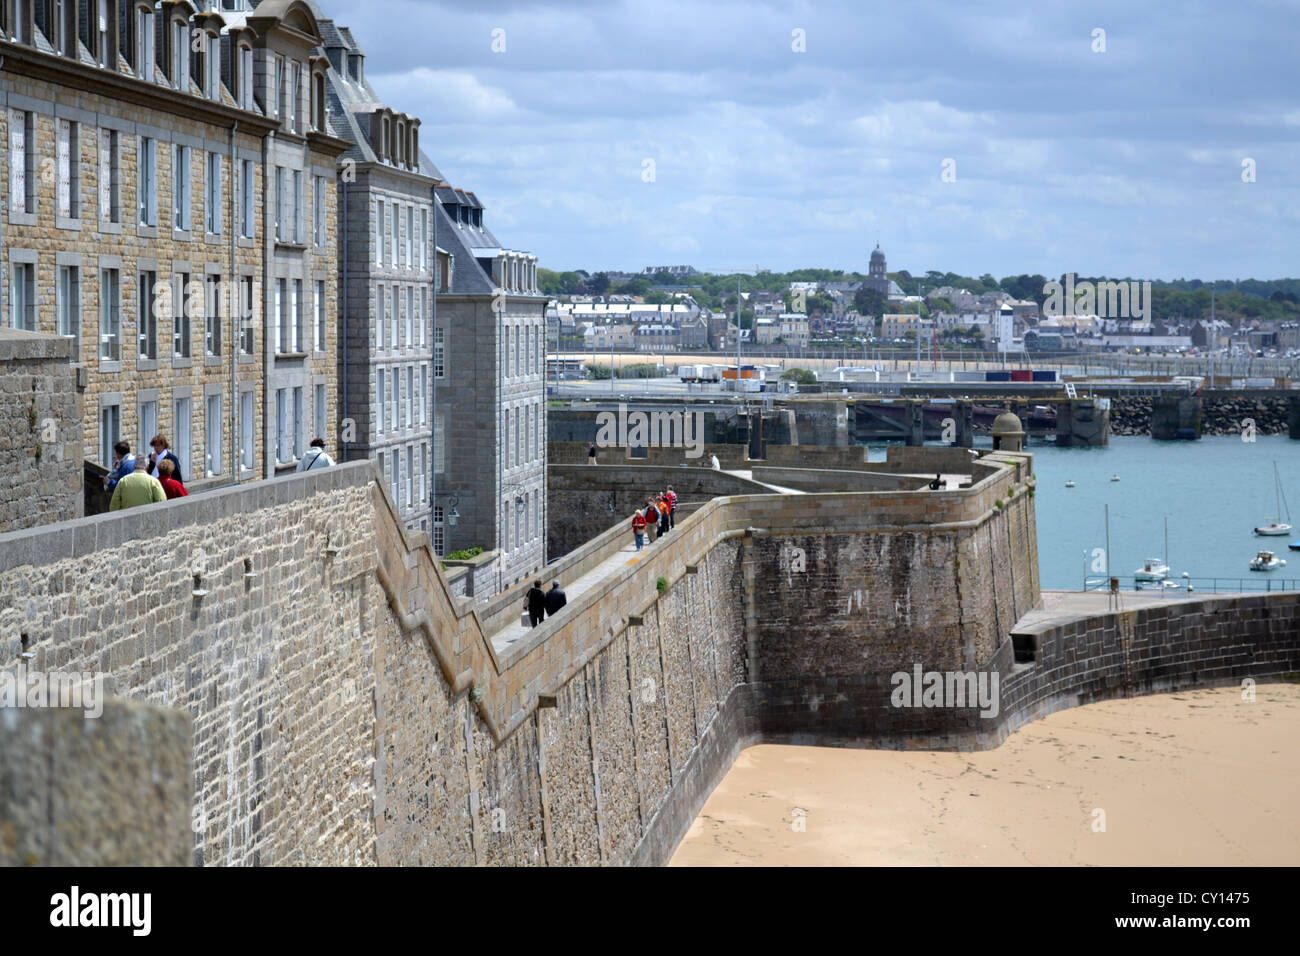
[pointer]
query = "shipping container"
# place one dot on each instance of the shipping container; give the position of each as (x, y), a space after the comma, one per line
(997, 376)
(1045, 375)
(1021, 375)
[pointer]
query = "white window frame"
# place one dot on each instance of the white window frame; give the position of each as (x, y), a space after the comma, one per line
(110, 315)
(247, 182)
(247, 429)
(212, 200)
(69, 306)
(182, 178)
(147, 181)
(183, 433)
(295, 314)
(318, 210)
(182, 315)
(22, 307)
(147, 318)
(297, 205)
(212, 419)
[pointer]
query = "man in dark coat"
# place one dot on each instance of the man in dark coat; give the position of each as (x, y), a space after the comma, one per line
(536, 600)
(555, 599)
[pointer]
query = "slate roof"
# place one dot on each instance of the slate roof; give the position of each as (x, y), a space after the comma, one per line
(345, 97)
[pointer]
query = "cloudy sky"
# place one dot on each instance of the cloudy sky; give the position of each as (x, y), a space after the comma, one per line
(1122, 162)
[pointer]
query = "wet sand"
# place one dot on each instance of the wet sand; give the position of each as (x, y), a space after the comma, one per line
(1194, 778)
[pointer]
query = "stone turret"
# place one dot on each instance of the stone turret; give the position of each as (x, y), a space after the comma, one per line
(1008, 434)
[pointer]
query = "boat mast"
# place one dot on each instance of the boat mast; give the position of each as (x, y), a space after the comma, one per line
(1277, 491)
(1107, 546)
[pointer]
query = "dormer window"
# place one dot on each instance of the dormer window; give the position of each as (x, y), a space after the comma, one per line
(318, 103)
(143, 47)
(244, 77)
(399, 144)
(180, 55)
(295, 94)
(277, 93)
(64, 39)
(104, 43)
(212, 84)
(414, 154)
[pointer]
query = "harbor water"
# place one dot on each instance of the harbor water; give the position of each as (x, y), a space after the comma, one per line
(1213, 491)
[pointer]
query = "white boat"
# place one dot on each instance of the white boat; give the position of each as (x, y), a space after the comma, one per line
(1153, 569)
(1277, 526)
(1114, 477)
(1266, 561)
(1069, 484)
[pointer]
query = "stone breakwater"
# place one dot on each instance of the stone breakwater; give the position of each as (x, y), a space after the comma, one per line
(1221, 416)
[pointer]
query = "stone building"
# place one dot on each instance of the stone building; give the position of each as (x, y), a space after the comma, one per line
(280, 39)
(492, 410)
(145, 150)
(389, 352)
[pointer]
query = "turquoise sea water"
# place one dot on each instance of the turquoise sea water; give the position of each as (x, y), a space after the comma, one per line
(1214, 491)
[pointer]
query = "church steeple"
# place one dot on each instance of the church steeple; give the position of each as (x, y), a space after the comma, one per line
(877, 268)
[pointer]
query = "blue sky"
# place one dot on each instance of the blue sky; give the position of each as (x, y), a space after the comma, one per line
(1123, 162)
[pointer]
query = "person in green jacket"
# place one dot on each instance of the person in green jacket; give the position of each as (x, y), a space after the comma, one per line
(137, 488)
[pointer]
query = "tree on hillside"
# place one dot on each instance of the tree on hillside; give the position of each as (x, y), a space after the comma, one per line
(869, 302)
(802, 376)
(597, 284)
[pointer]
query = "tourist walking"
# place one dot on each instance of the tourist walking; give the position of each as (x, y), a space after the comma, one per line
(555, 599)
(315, 457)
(137, 488)
(536, 601)
(638, 529)
(162, 452)
(651, 520)
(591, 453)
(171, 485)
(713, 461)
(662, 505)
(123, 465)
(672, 506)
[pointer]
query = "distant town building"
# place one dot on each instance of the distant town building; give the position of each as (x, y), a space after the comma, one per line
(671, 270)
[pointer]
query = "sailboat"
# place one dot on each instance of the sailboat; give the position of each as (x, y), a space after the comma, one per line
(1277, 526)
(1154, 571)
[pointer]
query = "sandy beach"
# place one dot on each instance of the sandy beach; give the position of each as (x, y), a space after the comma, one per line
(1198, 777)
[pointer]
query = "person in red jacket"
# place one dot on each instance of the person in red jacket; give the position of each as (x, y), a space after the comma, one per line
(638, 529)
(167, 478)
(651, 520)
(671, 497)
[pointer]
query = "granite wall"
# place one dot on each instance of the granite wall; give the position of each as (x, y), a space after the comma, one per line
(348, 708)
(40, 431)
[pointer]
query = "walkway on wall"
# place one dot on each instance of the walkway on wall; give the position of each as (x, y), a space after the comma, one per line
(625, 557)
(748, 475)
